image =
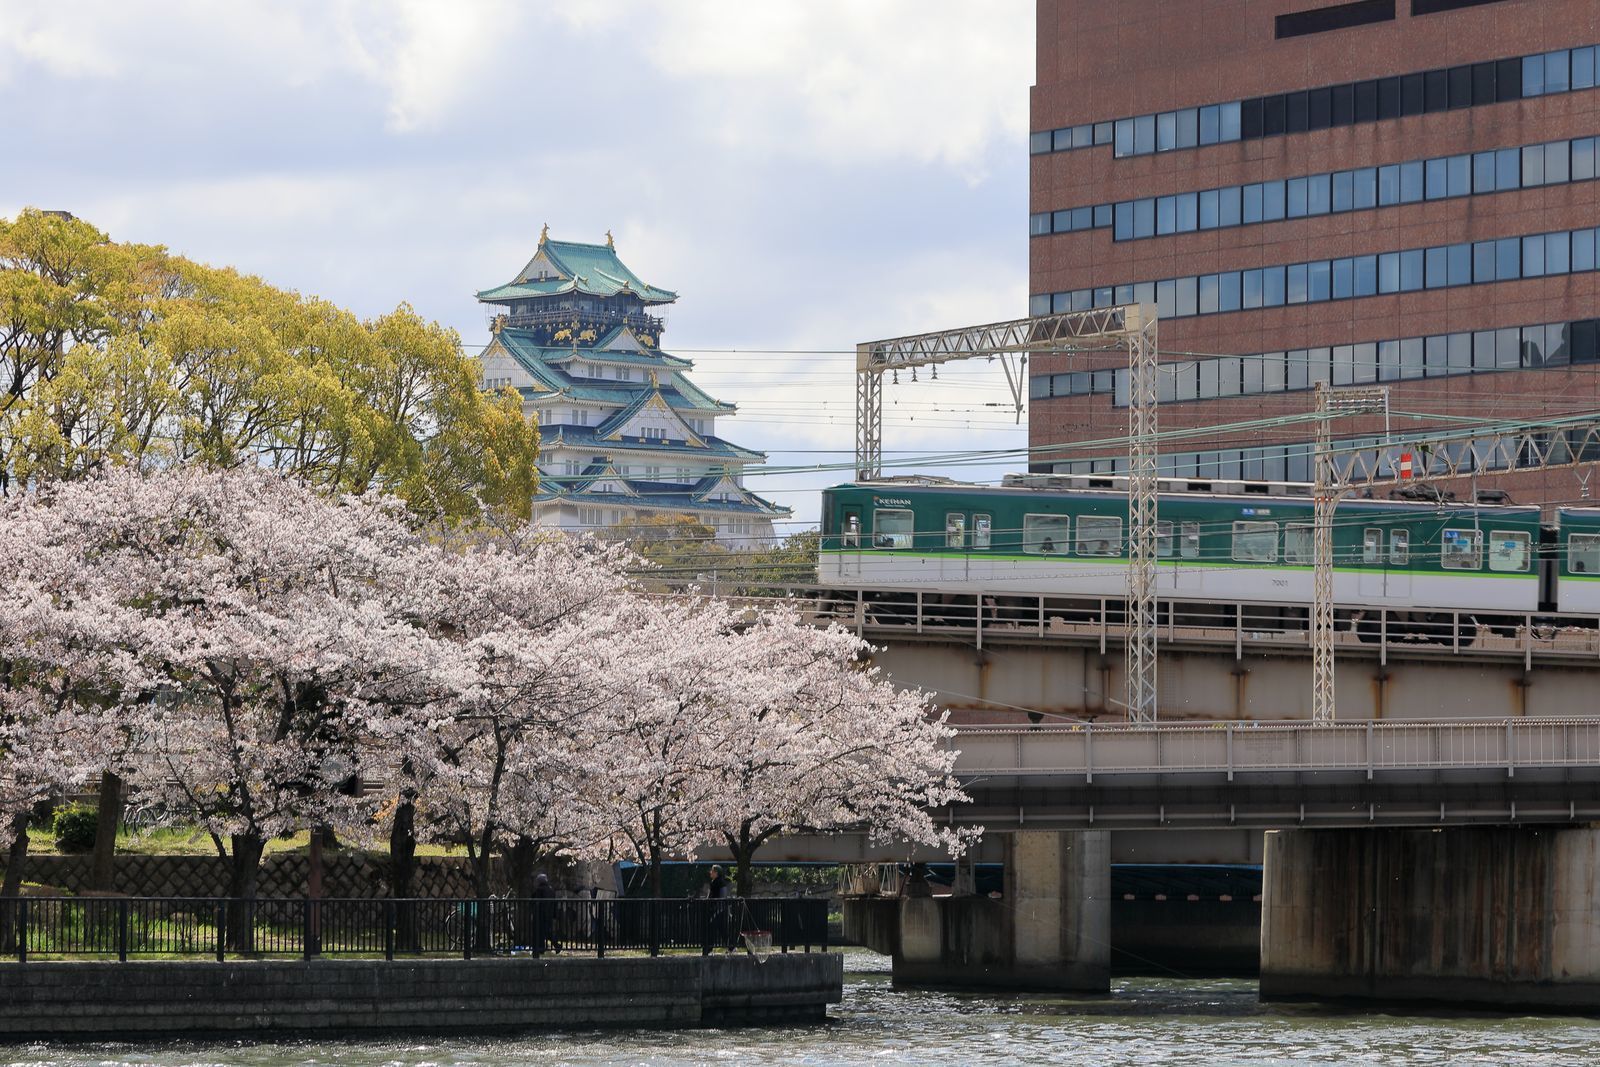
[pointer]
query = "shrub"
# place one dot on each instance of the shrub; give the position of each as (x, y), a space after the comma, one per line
(75, 827)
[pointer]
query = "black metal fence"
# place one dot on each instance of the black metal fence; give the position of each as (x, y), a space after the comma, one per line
(124, 927)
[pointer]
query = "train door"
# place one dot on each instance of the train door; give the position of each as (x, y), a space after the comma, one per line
(1397, 577)
(953, 561)
(850, 543)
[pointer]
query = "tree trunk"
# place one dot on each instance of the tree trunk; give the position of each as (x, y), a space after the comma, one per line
(744, 879)
(11, 884)
(402, 870)
(102, 866)
(524, 866)
(655, 872)
(244, 864)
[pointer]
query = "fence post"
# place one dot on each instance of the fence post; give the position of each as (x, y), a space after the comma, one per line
(122, 930)
(305, 927)
(388, 928)
(707, 913)
(222, 928)
(469, 927)
(655, 927)
(22, 929)
(599, 928)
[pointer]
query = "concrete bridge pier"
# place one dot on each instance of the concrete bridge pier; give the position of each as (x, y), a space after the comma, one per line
(1503, 917)
(1050, 931)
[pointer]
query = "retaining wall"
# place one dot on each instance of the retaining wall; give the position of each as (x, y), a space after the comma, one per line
(352, 997)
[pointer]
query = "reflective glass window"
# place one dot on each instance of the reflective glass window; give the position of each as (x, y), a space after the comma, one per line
(1144, 218)
(1166, 214)
(1208, 209)
(1483, 261)
(1166, 131)
(1458, 353)
(1365, 187)
(1319, 364)
(1389, 185)
(1208, 379)
(1144, 135)
(1509, 550)
(1532, 166)
(1508, 348)
(1187, 296)
(1228, 206)
(1167, 298)
(1583, 159)
(1366, 268)
(1435, 362)
(1411, 262)
(1411, 357)
(1483, 172)
(1319, 194)
(1318, 279)
(1411, 179)
(1533, 256)
(1295, 206)
(1082, 218)
(1228, 375)
(1507, 168)
(1507, 258)
(1102, 216)
(1459, 175)
(1388, 361)
(1252, 288)
(1389, 272)
(1343, 279)
(1099, 535)
(892, 528)
(1123, 228)
(1273, 372)
(1296, 284)
(1228, 121)
(1459, 258)
(1272, 287)
(1557, 253)
(1437, 275)
(1188, 212)
(1250, 375)
(1124, 138)
(1483, 357)
(1228, 291)
(1208, 294)
(1255, 542)
(1583, 250)
(1434, 179)
(1062, 140)
(1272, 206)
(1102, 133)
(1344, 190)
(1557, 160)
(1210, 124)
(1557, 71)
(1533, 76)
(1583, 68)
(1296, 370)
(1366, 362)
(1252, 203)
(1344, 368)
(1188, 127)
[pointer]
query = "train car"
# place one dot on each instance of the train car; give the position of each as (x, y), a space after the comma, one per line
(1577, 560)
(1237, 545)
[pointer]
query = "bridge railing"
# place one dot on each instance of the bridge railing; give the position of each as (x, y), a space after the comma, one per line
(992, 615)
(1233, 748)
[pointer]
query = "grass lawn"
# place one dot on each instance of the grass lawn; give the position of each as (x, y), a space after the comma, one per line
(190, 841)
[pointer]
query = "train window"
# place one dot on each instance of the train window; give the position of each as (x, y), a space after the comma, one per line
(1508, 550)
(1045, 535)
(1372, 545)
(892, 528)
(955, 530)
(1400, 548)
(982, 525)
(1099, 535)
(1583, 553)
(852, 530)
(1255, 542)
(1164, 540)
(1299, 543)
(1191, 540)
(1458, 550)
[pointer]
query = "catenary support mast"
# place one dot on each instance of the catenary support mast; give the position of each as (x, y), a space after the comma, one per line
(1132, 327)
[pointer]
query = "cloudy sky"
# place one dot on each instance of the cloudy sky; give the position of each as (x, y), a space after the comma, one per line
(807, 174)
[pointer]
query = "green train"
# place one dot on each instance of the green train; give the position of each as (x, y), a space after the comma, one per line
(1067, 536)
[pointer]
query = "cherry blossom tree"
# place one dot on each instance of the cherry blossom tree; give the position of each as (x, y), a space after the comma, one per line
(812, 740)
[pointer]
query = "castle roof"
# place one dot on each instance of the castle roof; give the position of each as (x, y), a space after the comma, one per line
(559, 267)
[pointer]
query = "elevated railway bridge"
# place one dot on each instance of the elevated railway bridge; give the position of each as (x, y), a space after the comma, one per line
(1433, 841)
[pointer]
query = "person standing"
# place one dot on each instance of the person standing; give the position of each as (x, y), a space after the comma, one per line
(544, 915)
(717, 911)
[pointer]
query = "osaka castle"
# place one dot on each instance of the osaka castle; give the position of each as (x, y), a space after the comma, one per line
(624, 433)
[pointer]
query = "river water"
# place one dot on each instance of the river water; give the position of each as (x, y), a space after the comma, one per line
(1145, 1021)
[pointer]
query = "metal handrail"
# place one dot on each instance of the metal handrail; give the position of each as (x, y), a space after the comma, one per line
(164, 927)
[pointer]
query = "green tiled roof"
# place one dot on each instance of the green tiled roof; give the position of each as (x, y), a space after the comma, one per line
(546, 366)
(593, 270)
(559, 436)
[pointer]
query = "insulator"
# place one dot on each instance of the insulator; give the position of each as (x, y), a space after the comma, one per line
(936, 373)
(896, 374)
(913, 374)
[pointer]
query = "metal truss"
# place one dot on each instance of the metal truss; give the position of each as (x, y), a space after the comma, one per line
(1130, 327)
(1438, 455)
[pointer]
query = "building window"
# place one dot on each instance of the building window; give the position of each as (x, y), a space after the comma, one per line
(955, 530)
(981, 530)
(654, 433)
(1583, 553)
(1099, 535)
(1508, 550)
(1255, 542)
(1299, 543)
